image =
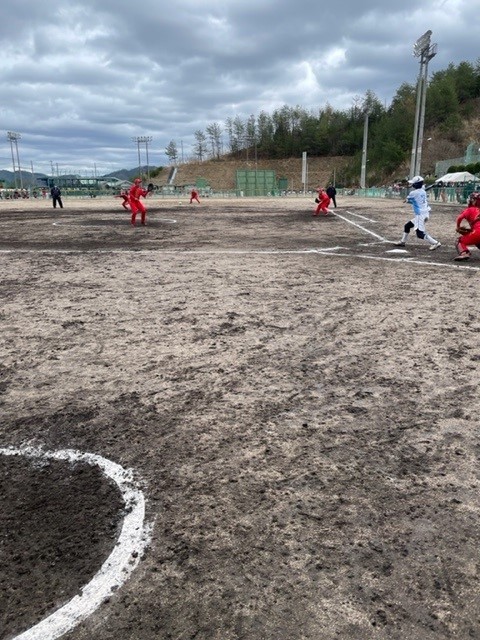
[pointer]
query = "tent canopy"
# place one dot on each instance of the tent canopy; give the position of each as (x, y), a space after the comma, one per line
(458, 176)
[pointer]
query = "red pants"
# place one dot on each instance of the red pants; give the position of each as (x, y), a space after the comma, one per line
(472, 238)
(322, 206)
(136, 207)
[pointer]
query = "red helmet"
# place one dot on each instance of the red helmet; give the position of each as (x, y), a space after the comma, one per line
(474, 199)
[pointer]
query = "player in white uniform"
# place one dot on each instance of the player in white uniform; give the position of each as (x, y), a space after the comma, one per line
(421, 209)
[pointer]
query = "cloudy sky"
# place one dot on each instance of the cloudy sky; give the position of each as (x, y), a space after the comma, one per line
(80, 79)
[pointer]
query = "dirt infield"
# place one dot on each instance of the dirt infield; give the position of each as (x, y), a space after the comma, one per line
(296, 397)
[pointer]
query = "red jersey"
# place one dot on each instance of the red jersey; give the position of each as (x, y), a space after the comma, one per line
(136, 191)
(323, 197)
(471, 215)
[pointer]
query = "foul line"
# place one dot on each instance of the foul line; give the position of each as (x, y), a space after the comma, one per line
(327, 251)
(357, 215)
(133, 540)
(359, 226)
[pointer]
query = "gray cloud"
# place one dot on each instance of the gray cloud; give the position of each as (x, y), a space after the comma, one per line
(79, 80)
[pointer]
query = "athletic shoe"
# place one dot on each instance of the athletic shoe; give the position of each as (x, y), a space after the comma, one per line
(432, 247)
(465, 255)
(399, 244)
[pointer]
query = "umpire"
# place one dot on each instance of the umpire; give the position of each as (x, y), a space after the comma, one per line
(331, 193)
(56, 197)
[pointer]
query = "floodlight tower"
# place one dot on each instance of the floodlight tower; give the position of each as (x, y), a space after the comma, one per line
(143, 140)
(14, 138)
(425, 51)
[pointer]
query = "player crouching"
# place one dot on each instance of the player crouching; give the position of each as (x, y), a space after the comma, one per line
(468, 236)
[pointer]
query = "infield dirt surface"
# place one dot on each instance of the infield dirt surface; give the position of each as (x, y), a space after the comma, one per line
(297, 398)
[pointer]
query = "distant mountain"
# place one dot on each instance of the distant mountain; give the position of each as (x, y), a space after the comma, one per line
(7, 178)
(129, 174)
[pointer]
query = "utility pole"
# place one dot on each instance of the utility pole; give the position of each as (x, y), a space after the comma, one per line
(425, 51)
(363, 173)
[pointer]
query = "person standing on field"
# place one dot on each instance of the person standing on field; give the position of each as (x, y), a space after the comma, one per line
(421, 209)
(194, 196)
(134, 195)
(56, 197)
(332, 193)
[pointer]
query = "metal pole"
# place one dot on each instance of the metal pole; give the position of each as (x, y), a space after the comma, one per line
(363, 173)
(14, 138)
(421, 125)
(18, 162)
(425, 51)
(413, 160)
(256, 187)
(13, 164)
(148, 168)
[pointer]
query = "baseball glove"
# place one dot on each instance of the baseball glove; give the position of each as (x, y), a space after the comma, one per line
(317, 200)
(463, 230)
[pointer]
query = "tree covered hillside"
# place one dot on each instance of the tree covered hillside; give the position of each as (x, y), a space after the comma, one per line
(453, 100)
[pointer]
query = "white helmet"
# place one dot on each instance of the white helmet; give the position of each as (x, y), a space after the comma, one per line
(416, 181)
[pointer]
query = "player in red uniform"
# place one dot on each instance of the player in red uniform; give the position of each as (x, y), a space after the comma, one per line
(471, 215)
(134, 195)
(124, 195)
(194, 196)
(323, 202)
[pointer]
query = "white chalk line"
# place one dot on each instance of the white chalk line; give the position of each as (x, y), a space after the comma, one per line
(357, 215)
(327, 251)
(133, 540)
(359, 226)
(66, 224)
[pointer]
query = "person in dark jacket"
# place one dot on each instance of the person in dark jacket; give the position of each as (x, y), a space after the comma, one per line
(56, 197)
(332, 192)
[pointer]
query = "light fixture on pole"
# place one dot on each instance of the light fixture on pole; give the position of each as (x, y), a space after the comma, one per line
(14, 138)
(425, 51)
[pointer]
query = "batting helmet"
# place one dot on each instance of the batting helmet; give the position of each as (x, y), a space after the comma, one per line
(416, 182)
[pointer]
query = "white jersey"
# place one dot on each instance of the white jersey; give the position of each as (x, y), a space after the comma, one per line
(419, 201)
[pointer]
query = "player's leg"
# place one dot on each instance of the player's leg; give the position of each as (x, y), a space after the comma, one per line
(406, 230)
(133, 206)
(143, 212)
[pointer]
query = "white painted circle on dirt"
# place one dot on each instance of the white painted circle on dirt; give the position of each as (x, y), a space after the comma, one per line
(134, 538)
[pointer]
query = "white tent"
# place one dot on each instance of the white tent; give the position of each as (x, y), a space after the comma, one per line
(458, 176)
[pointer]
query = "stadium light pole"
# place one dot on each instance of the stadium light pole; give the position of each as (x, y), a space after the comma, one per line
(142, 140)
(425, 51)
(14, 138)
